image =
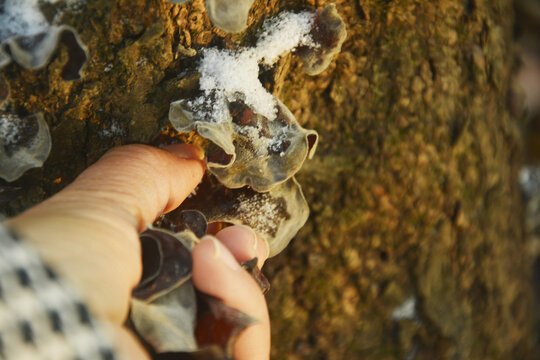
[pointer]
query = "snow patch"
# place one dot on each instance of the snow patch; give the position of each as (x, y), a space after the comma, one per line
(261, 210)
(405, 311)
(232, 75)
(9, 129)
(115, 130)
(21, 17)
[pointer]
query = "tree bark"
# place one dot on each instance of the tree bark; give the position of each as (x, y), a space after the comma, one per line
(413, 189)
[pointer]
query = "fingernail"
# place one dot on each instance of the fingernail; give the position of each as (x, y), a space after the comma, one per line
(186, 151)
(221, 253)
(254, 240)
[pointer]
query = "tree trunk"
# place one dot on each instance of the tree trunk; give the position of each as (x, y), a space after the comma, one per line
(415, 246)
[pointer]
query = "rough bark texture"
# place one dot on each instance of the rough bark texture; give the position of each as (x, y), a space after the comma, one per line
(413, 189)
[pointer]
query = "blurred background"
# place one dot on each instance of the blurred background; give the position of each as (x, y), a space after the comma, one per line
(528, 79)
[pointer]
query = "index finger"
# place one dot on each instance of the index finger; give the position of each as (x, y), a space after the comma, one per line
(141, 180)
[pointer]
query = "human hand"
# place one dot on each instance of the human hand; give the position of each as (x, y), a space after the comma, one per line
(88, 233)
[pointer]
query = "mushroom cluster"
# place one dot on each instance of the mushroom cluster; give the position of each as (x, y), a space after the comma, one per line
(259, 143)
(256, 146)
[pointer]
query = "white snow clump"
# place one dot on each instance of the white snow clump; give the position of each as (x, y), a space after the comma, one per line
(232, 75)
(21, 17)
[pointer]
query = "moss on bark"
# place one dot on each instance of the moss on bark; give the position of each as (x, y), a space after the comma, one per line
(413, 189)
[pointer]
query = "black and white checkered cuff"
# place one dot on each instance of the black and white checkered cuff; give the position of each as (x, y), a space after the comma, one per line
(40, 317)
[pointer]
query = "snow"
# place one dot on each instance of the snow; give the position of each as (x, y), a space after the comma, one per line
(283, 34)
(114, 130)
(232, 75)
(9, 129)
(235, 75)
(262, 144)
(254, 134)
(260, 212)
(21, 17)
(405, 311)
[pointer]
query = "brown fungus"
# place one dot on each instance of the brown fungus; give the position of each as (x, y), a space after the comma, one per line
(177, 321)
(276, 215)
(25, 143)
(167, 323)
(163, 306)
(166, 263)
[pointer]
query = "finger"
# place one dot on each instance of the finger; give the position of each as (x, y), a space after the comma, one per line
(89, 231)
(125, 343)
(141, 180)
(216, 272)
(244, 243)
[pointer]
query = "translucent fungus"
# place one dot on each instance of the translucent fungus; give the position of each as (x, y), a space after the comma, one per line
(229, 15)
(168, 322)
(276, 215)
(257, 147)
(260, 145)
(29, 40)
(263, 152)
(328, 31)
(263, 144)
(25, 143)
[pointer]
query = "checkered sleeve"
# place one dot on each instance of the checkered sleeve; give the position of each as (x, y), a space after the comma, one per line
(40, 317)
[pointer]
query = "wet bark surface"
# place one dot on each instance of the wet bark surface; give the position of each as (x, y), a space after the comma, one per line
(413, 189)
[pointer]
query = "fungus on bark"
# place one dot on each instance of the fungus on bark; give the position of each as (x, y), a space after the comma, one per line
(231, 16)
(25, 143)
(261, 145)
(330, 32)
(257, 146)
(27, 38)
(264, 143)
